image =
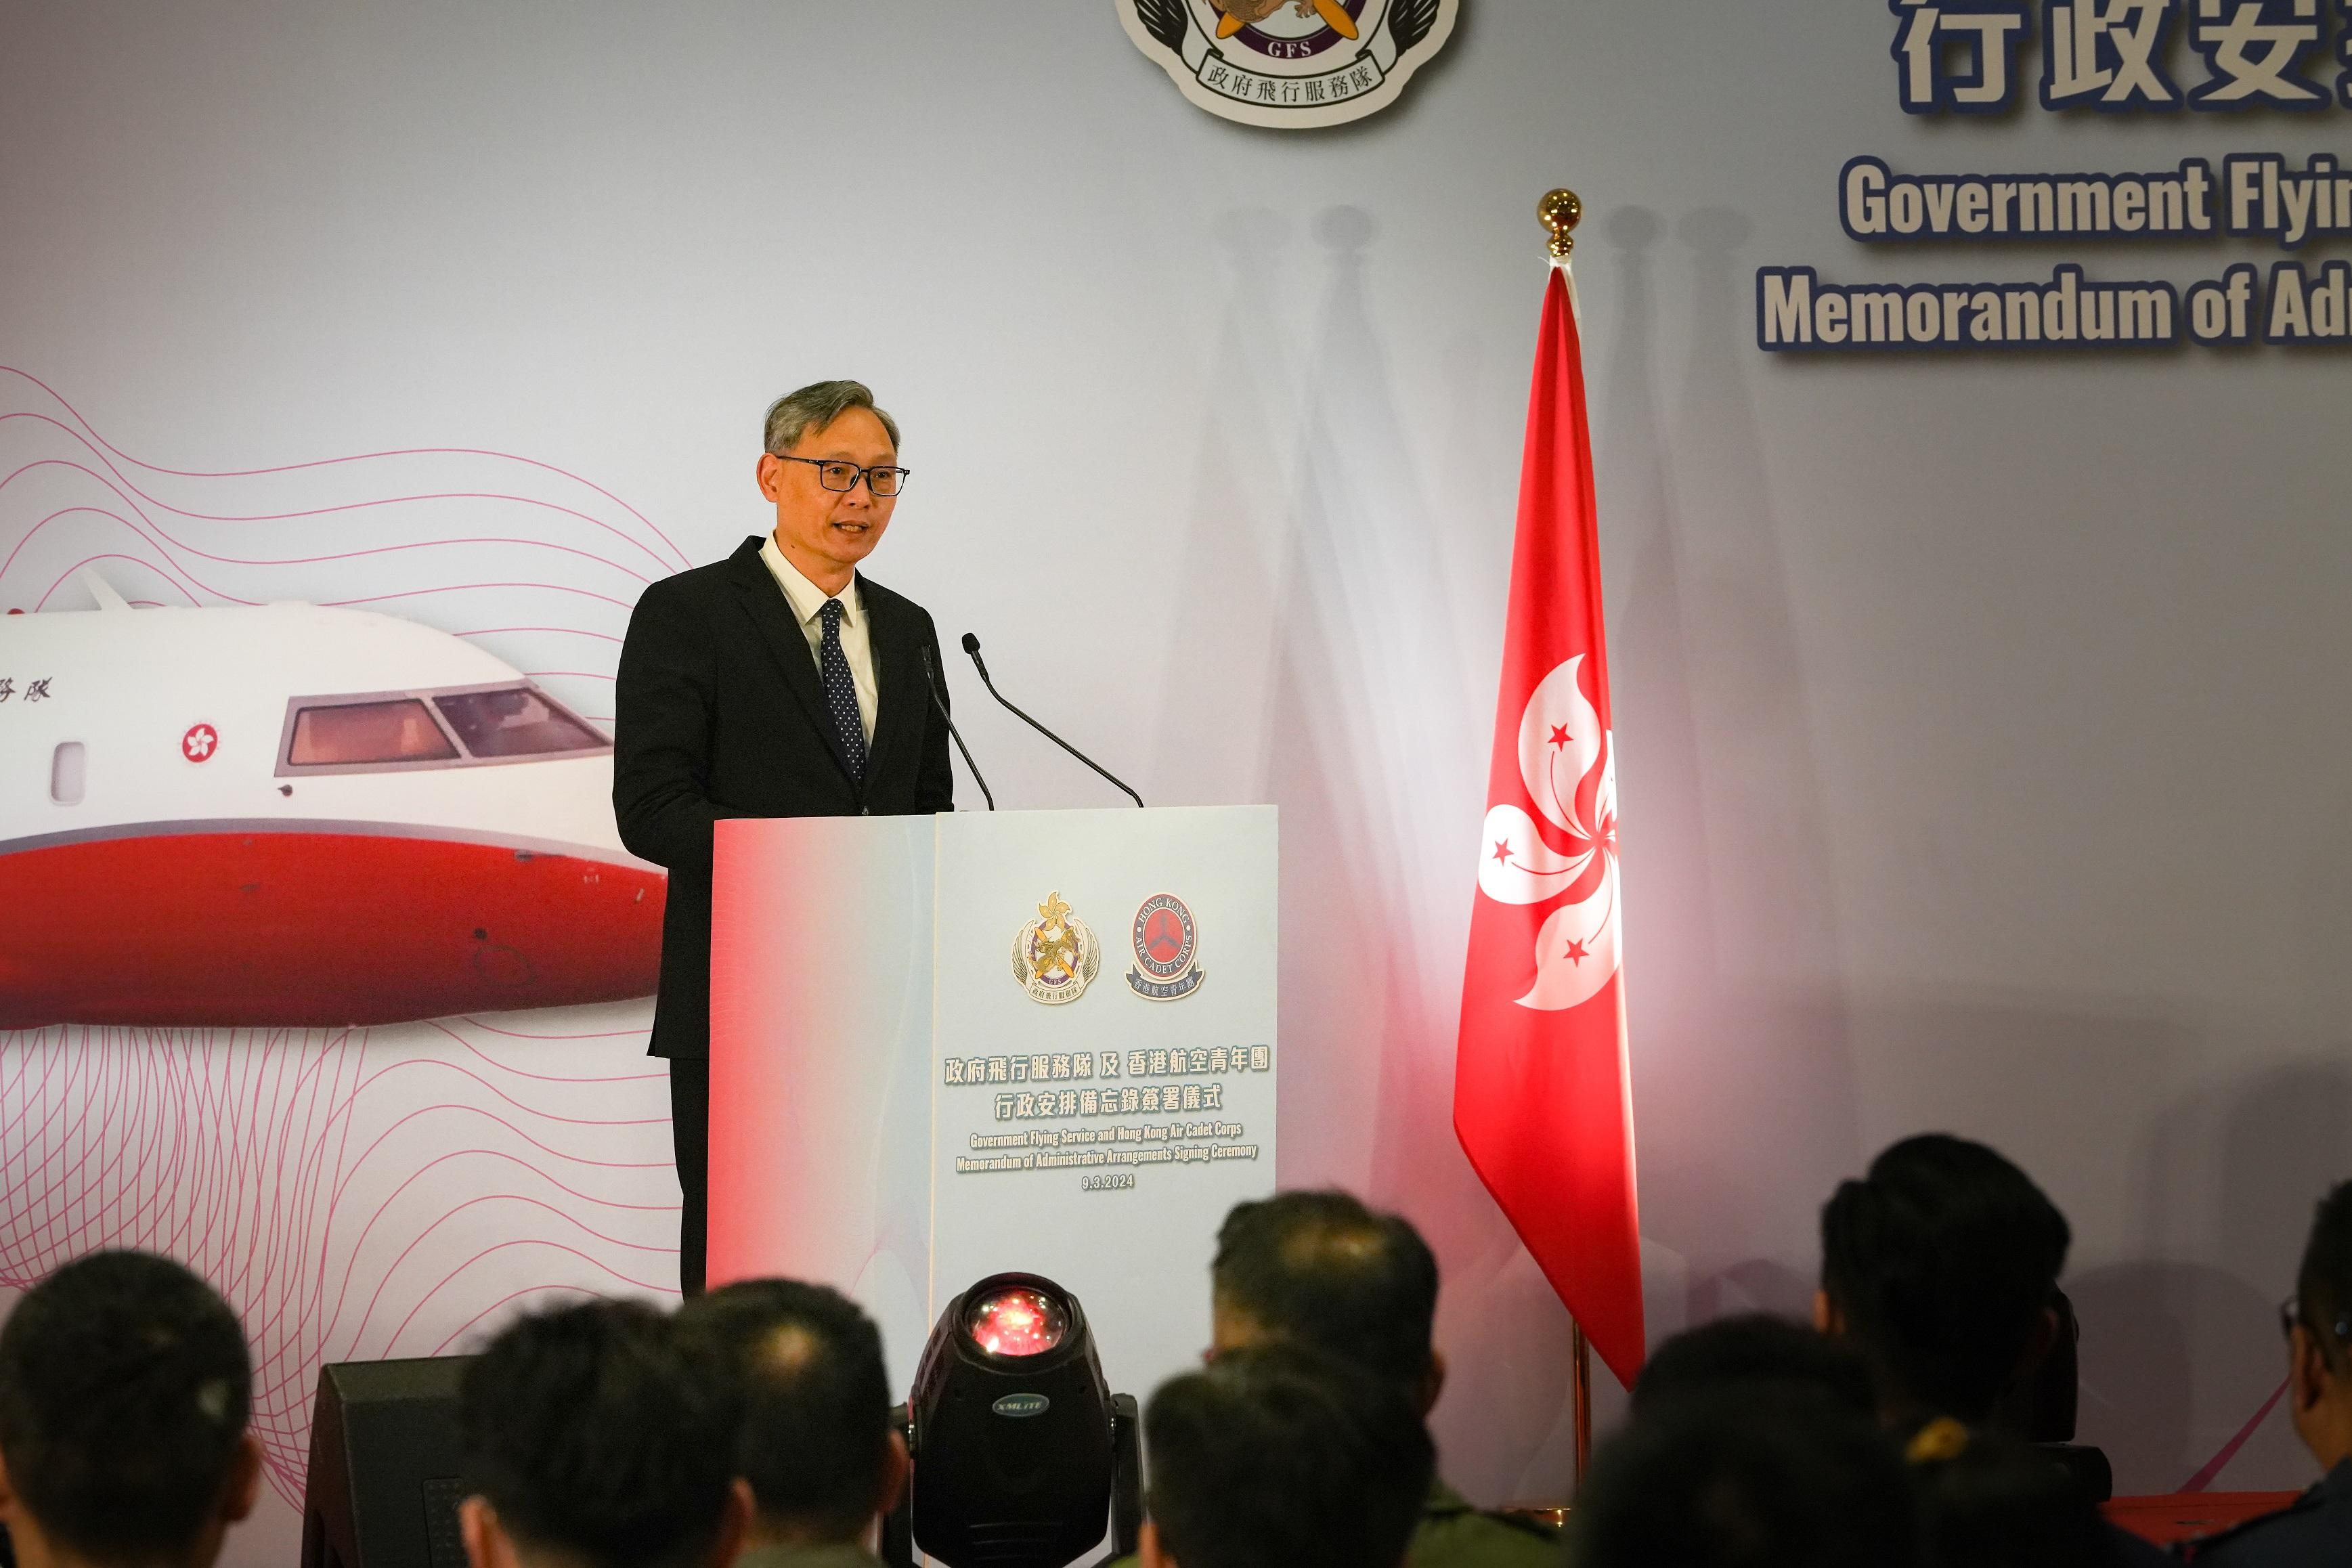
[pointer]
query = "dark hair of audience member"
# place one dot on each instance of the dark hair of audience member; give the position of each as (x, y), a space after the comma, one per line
(1281, 1456)
(1938, 1264)
(593, 1438)
(811, 1396)
(124, 1389)
(2322, 1285)
(1748, 1476)
(1991, 1500)
(1751, 1349)
(1320, 1268)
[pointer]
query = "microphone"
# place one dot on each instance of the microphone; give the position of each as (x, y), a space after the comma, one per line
(931, 679)
(972, 646)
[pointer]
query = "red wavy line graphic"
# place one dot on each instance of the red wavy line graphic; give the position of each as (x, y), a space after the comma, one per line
(354, 1193)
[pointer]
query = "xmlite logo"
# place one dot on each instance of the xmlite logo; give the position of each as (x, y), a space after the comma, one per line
(1020, 1404)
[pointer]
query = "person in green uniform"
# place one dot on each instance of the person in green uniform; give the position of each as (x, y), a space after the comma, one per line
(810, 1401)
(1320, 1268)
(1280, 1454)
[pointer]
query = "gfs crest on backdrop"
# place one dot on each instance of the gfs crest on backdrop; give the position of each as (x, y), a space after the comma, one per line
(1289, 63)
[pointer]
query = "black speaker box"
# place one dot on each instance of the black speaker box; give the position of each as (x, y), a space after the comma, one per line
(385, 1476)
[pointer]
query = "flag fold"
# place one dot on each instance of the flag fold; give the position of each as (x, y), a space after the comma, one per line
(1542, 1098)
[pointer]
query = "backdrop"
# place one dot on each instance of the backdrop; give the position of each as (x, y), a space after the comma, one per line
(1976, 765)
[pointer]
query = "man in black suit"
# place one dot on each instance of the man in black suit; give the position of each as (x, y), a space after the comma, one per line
(778, 682)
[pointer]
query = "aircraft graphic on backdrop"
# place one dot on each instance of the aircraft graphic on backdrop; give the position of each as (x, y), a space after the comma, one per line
(224, 812)
(291, 816)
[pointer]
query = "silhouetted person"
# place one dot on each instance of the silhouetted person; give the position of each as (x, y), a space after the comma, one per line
(803, 1366)
(1281, 1457)
(2318, 1526)
(1992, 1500)
(124, 1391)
(1748, 1476)
(1941, 1266)
(1937, 1267)
(592, 1442)
(1753, 1349)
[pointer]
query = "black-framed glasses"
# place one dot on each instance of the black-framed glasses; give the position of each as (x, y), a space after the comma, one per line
(2291, 1317)
(836, 475)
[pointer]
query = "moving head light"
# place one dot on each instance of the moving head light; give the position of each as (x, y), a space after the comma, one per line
(1022, 1452)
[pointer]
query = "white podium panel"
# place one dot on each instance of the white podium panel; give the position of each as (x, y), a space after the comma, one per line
(948, 1047)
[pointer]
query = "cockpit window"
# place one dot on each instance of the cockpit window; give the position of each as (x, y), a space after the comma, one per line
(515, 722)
(349, 733)
(455, 727)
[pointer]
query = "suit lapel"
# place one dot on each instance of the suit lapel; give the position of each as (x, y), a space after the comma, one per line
(772, 616)
(900, 692)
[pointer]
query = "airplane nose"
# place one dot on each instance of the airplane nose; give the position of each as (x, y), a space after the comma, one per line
(319, 930)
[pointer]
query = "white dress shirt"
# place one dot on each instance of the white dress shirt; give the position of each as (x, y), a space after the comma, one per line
(807, 601)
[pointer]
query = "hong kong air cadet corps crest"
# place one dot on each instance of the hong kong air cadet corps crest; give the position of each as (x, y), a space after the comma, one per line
(1056, 957)
(1167, 950)
(1288, 63)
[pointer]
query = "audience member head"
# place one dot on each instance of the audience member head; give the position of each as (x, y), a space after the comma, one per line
(1319, 1268)
(2319, 1334)
(592, 1442)
(125, 1388)
(803, 1366)
(1754, 1348)
(1749, 1476)
(1283, 1457)
(1939, 1266)
(1991, 1500)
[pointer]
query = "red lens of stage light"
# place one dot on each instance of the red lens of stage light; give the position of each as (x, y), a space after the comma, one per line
(1017, 1323)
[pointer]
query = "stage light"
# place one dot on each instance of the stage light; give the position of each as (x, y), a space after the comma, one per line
(1022, 1454)
(1017, 1320)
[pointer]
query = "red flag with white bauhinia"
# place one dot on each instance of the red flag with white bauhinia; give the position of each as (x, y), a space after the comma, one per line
(1542, 1101)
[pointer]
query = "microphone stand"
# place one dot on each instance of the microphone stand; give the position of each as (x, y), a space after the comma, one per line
(931, 679)
(972, 646)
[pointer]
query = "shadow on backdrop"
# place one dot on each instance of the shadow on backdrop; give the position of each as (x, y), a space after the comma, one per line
(1212, 711)
(2178, 1358)
(1382, 795)
(1743, 1074)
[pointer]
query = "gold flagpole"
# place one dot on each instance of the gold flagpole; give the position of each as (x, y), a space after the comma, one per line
(1559, 212)
(1580, 1352)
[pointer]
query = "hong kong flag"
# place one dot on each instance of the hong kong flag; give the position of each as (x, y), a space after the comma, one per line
(1542, 1101)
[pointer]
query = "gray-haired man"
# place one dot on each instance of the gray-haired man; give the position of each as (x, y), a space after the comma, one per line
(780, 681)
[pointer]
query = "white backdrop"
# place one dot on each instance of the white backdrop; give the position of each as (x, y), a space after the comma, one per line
(1979, 762)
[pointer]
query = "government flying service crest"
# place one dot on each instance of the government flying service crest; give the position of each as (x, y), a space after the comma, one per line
(1056, 957)
(1290, 62)
(1167, 950)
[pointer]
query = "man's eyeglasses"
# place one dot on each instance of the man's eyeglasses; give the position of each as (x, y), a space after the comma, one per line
(843, 477)
(2291, 1317)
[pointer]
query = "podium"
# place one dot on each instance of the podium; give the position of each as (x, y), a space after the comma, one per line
(946, 1047)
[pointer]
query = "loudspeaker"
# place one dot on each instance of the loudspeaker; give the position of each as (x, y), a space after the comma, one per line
(385, 1476)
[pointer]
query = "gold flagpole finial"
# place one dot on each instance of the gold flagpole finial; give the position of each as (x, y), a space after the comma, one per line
(1559, 211)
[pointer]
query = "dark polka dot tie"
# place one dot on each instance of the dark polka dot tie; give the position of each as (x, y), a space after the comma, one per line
(841, 691)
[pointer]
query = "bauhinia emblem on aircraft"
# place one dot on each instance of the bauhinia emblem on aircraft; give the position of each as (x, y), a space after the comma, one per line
(1289, 63)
